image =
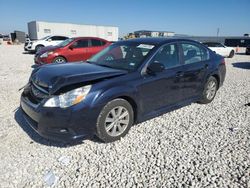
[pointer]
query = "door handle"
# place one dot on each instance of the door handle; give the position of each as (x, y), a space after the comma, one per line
(179, 74)
(206, 66)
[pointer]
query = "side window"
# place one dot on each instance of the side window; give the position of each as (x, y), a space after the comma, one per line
(193, 53)
(81, 43)
(58, 38)
(219, 45)
(209, 44)
(168, 55)
(96, 42)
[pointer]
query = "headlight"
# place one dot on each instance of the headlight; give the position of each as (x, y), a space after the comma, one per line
(46, 54)
(69, 98)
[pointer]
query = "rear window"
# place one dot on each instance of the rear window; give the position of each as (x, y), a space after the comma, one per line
(95, 42)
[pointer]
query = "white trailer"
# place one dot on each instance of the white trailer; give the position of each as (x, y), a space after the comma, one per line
(38, 30)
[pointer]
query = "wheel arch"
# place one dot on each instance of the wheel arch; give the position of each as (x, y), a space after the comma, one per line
(216, 76)
(126, 93)
(132, 102)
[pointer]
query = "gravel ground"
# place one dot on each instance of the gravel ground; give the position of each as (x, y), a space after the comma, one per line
(195, 146)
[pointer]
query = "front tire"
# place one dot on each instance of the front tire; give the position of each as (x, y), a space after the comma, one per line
(59, 59)
(231, 54)
(38, 48)
(115, 120)
(209, 91)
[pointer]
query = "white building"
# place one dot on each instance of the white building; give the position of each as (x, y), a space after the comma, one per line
(147, 33)
(38, 30)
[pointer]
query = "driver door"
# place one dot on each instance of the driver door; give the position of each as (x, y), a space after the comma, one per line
(162, 90)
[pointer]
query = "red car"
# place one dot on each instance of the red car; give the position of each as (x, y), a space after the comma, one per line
(70, 50)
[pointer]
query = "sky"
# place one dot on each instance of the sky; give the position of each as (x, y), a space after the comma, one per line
(191, 17)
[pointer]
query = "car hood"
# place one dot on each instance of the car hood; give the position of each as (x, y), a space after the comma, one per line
(47, 49)
(55, 76)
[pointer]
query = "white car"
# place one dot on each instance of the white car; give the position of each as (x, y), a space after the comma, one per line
(220, 49)
(36, 45)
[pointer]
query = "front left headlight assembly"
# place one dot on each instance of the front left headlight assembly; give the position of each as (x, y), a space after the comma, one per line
(46, 54)
(69, 98)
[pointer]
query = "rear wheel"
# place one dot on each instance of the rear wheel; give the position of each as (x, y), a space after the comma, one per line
(231, 54)
(115, 120)
(210, 90)
(59, 60)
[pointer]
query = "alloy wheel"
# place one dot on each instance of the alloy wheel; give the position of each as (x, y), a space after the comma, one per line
(59, 60)
(211, 90)
(117, 121)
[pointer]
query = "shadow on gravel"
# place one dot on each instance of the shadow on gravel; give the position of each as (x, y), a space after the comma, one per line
(242, 65)
(29, 53)
(37, 138)
(241, 53)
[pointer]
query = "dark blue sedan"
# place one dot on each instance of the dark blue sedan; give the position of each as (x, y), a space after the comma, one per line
(126, 83)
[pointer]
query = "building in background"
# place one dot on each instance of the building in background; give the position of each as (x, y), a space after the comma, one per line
(147, 33)
(233, 41)
(18, 36)
(38, 30)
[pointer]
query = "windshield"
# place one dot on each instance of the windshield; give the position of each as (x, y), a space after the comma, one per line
(44, 38)
(126, 56)
(65, 42)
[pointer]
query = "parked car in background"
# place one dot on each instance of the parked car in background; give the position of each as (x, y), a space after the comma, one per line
(128, 82)
(70, 50)
(248, 50)
(220, 49)
(36, 45)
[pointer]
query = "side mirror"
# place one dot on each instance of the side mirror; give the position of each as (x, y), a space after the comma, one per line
(72, 46)
(49, 40)
(155, 67)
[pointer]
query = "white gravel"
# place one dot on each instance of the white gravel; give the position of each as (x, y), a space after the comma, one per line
(195, 146)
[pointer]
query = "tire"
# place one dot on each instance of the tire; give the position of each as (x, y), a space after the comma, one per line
(231, 54)
(38, 47)
(210, 86)
(109, 125)
(59, 59)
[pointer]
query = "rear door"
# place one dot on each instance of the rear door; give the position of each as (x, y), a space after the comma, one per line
(79, 51)
(195, 67)
(96, 45)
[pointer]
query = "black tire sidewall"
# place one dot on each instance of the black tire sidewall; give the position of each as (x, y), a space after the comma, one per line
(231, 54)
(204, 99)
(38, 47)
(101, 131)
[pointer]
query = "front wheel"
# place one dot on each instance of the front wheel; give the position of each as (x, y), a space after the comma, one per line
(231, 54)
(209, 91)
(38, 48)
(115, 120)
(59, 60)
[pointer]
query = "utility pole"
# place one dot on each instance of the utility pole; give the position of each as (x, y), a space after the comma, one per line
(218, 31)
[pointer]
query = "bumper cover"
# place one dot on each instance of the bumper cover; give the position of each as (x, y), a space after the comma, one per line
(64, 125)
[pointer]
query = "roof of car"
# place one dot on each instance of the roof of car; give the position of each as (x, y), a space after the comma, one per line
(87, 38)
(158, 40)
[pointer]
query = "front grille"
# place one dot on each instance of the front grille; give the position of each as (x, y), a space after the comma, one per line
(36, 94)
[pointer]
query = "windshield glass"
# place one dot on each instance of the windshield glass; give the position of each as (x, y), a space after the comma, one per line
(65, 42)
(44, 38)
(126, 56)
